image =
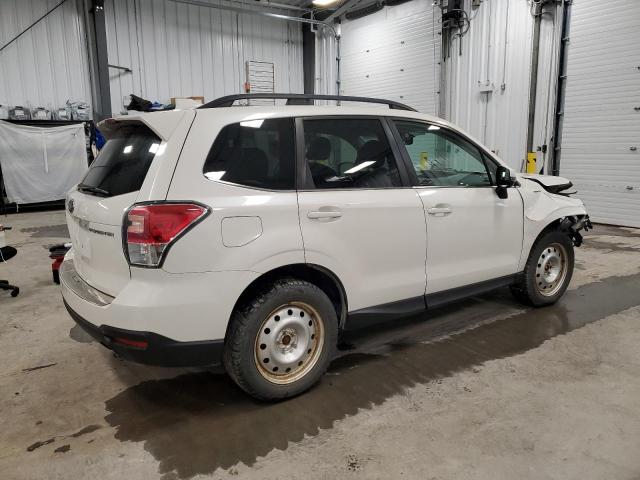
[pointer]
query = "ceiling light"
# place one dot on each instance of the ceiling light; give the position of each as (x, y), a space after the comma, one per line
(324, 3)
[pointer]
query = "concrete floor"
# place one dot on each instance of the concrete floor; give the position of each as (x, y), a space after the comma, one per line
(484, 389)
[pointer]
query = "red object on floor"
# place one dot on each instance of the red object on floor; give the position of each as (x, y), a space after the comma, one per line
(55, 268)
(57, 253)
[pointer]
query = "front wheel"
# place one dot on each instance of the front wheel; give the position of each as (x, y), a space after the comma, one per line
(280, 342)
(548, 271)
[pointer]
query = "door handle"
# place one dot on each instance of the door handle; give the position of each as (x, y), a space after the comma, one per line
(439, 211)
(324, 214)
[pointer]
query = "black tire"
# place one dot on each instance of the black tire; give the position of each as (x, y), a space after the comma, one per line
(526, 288)
(241, 354)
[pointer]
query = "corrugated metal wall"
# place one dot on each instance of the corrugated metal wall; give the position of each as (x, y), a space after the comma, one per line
(48, 64)
(326, 66)
(497, 51)
(394, 54)
(601, 128)
(175, 49)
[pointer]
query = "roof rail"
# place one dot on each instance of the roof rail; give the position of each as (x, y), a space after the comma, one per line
(300, 99)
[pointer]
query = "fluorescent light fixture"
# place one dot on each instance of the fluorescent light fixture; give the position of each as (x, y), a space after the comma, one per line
(215, 175)
(359, 167)
(433, 127)
(324, 3)
(127, 149)
(252, 123)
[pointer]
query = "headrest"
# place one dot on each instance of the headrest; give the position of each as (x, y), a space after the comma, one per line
(319, 149)
(373, 150)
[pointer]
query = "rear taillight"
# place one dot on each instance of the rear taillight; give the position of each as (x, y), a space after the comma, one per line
(151, 229)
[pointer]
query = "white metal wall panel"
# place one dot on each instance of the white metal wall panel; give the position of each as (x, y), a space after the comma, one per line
(601, 126)
(174, 49)
(497, 51)
(47, 65)
(394, 54)
(326, 67)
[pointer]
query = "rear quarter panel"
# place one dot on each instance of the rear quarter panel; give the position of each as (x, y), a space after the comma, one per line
(277, 242)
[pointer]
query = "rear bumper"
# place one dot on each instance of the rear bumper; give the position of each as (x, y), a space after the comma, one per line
(160, 318)
(150, 348)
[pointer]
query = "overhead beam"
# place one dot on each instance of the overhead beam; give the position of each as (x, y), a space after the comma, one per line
(270, 4)
(342, 9)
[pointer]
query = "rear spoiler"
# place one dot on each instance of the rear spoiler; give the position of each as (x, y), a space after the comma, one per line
(161, 123)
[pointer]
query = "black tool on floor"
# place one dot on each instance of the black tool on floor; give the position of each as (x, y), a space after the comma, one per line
(7, 253)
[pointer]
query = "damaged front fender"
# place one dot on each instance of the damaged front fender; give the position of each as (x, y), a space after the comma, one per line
(542, 209)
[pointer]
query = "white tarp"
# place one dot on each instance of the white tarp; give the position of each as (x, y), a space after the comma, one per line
(41, 164)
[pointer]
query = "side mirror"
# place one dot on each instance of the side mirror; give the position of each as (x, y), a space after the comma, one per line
(503, 180)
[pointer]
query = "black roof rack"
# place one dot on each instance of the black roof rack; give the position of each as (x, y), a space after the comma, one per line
(300, 99)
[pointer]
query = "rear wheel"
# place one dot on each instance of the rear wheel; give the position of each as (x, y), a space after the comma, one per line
(548, 271)
(280, 343)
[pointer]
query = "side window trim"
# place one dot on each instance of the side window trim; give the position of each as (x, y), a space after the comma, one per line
(487, 159)
(404, 155)
(303, 172)
(407, 159)
(397, 153)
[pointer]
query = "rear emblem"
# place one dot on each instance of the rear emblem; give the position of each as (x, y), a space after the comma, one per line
(71, 205)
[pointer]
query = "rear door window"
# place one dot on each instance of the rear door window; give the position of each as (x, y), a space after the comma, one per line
(349, 153)
(123, 162)
(254, 153)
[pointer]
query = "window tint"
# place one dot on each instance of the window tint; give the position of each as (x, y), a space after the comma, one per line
(349, 153)
(255, 153)
(442, 158)
(123, 162)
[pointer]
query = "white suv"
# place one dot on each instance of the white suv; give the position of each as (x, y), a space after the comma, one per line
(254, 235)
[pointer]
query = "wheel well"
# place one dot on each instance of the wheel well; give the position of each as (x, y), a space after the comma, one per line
(555, 225)
(324, 279)
(571, 225)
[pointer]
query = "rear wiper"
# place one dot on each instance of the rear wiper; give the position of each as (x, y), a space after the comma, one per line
(95, 190)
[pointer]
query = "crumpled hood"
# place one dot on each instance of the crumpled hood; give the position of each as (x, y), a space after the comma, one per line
(550, 183)
(545, 180)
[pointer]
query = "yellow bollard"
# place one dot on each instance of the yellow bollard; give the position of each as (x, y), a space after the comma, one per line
(531, 162)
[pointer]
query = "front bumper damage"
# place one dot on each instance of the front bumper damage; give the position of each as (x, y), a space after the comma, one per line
(573, 225)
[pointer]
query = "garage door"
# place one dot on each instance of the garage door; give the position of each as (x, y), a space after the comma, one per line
(601, 132)
(393, 54)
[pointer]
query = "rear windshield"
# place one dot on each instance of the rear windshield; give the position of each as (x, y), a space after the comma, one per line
(122, 163)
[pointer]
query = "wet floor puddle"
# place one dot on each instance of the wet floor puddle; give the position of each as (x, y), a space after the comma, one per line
(53, 231)
(196, 423)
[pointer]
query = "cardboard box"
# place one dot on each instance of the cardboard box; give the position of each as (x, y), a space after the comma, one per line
(187, 102)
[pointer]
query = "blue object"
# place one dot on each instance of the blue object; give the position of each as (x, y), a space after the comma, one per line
(100, 140)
